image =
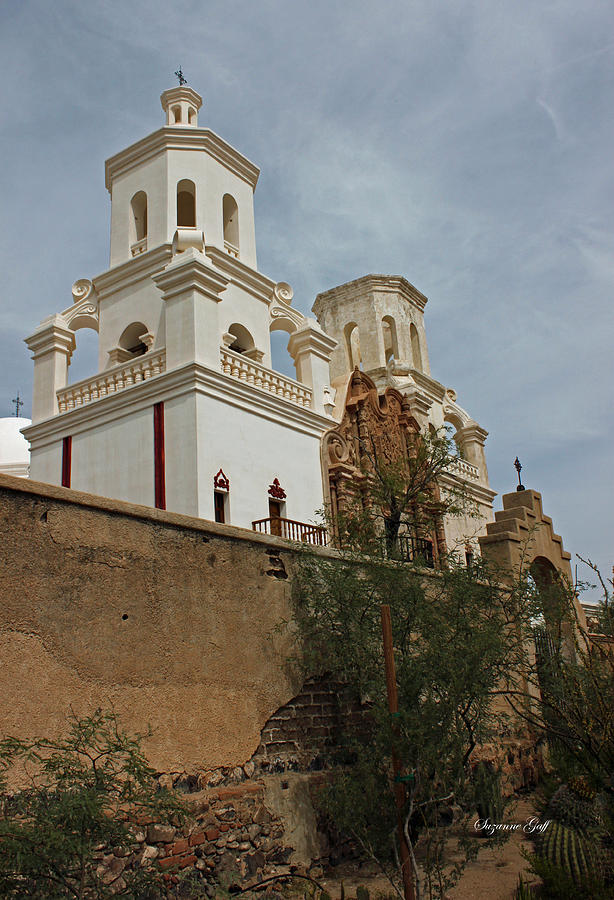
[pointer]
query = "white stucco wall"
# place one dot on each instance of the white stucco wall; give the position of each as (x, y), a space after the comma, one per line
(252, 451)
(115, 459)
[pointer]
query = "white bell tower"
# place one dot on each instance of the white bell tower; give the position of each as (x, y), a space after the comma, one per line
(181, 176)
(185, 399)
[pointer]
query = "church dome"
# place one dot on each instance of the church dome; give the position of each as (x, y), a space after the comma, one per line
(14, 449)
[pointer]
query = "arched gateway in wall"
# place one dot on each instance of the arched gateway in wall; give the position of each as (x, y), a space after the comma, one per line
(522, 537)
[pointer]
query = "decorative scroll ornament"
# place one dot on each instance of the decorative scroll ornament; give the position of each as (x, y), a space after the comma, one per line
(339, 449)
(283, 292)
(81, 289)
(276, 490)
(284, 312)
(221, 482)
(451, 395)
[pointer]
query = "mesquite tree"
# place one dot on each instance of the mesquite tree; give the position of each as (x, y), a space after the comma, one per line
(459, 641)
(66, 801)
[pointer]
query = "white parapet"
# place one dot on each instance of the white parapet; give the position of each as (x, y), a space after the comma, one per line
(118, 378)
(244, 369)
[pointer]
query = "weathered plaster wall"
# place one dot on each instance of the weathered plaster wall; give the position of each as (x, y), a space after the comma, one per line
(168, 619)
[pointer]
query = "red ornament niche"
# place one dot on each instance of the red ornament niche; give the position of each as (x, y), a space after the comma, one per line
(276, 490)
(220, 482)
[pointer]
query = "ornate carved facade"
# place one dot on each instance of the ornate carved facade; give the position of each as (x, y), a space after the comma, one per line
(373, 427)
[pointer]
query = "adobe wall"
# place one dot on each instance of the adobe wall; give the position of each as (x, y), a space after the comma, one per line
(173, 622)
(170, 620)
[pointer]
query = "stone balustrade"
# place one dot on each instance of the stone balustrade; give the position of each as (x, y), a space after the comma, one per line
(244, 369)
(231, 249)
(111, 380)
(463, 469)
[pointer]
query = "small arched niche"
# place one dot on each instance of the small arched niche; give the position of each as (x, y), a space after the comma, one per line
(352, 345)
(186, 204)
(191, 116)
(243, 340)
(230, 216)
(391, 344)
(416, 353)
(176, 111)
(131, 339)
(138, 218)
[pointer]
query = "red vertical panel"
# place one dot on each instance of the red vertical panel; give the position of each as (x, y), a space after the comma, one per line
(66, 460)
(159, 469)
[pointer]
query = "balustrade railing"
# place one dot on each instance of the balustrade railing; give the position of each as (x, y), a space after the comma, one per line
(291, 530)
(112, 380)
(244, 369)
(464, 469)
(231, 249)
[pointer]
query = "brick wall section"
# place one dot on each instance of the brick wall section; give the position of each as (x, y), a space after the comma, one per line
(308, 732)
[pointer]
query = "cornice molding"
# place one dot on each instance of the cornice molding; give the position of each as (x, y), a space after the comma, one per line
(190, 270)
(308, 339)
(371, 284)
(178, 137)
(52, 335)
(432, 388)
(244, 276)
(134, 270)
(170, 385)
(474, 489)
(473, 432)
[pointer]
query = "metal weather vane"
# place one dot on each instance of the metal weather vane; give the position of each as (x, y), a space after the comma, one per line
(182, 79)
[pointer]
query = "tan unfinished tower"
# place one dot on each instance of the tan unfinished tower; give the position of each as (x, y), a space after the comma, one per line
(378, 323)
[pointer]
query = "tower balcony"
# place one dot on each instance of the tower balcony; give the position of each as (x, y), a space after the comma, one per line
(241, 367)
(111, 381)
(150, 364)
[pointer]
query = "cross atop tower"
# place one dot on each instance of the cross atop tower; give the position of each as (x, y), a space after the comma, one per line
(182, 79)
(18, 404)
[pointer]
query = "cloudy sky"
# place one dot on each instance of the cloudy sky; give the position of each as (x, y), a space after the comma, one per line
(465, 145)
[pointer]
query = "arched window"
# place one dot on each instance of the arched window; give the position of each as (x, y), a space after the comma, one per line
(280, 331)
(415, 347)
(83, 362)
(191, 115)
(453, 425)
(352, 343)
(131, 339)
(176, 110)
(391, 345)
(243, 341)
(138, 220)
(186, 204)
(230, 215)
